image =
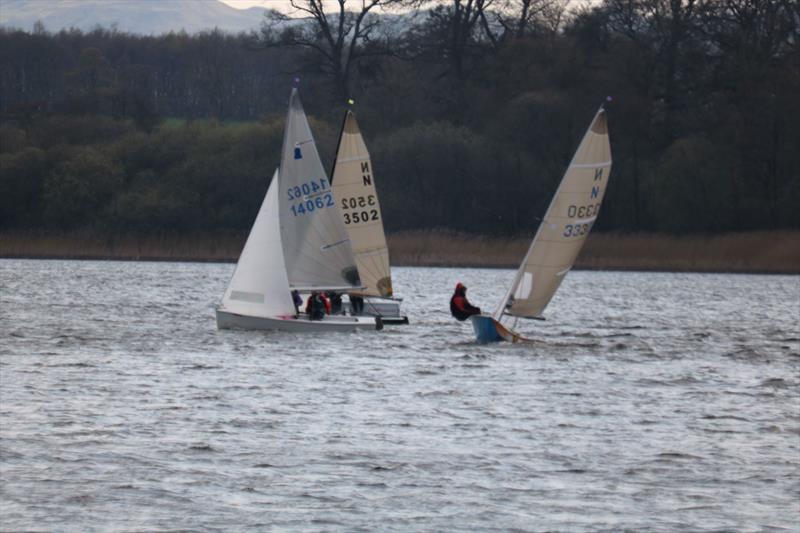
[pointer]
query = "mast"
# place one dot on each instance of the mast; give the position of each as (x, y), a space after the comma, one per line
(350, 103)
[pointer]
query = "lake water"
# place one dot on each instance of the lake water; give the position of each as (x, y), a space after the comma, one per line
(658, 402)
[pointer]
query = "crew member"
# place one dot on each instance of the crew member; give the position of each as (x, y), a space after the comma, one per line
(317, 306)
(336, 302)
(298, 300)
(356, 305)
(460, 306)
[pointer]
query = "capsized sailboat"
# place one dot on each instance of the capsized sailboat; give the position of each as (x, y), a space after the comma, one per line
(360, 210)
(297, 242)
(560, 237)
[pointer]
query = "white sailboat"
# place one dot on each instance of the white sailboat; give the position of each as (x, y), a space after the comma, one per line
(357, 201)
(560, 237)
(297, 242)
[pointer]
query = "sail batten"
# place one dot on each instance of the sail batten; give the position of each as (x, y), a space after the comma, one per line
(565, 226)
(592, 165)
(357, 202)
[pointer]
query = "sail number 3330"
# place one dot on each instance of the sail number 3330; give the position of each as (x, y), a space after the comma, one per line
(580, 228)
(576, 230)
(310, 196)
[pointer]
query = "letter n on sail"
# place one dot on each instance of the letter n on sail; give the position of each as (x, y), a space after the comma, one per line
(365, 174)
(595, 191)
(598, 174)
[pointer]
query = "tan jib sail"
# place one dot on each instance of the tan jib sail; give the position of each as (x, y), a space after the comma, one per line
(357, 200)
(566, 224)
(316, 247)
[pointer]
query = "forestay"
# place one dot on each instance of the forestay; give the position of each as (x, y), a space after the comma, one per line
(316, 247)
(355, 194)
(565, 226)
(259, 286)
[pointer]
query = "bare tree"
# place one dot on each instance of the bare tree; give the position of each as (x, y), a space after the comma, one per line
(665, 30)
(520, 18)
(337, 39)
(453, 29)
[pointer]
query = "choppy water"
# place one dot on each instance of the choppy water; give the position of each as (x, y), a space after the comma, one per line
(656, 402)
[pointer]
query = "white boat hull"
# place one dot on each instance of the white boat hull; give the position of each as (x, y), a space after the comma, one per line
(386, 308)
(300, 323)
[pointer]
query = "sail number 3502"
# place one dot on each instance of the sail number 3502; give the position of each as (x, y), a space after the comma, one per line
(357, 209)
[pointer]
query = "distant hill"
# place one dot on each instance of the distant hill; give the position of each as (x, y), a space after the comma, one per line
(134, 16)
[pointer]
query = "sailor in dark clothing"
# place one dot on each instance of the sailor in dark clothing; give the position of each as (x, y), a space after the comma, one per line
(336, 302)
(356, 305)
(298, 300)
(460, 306)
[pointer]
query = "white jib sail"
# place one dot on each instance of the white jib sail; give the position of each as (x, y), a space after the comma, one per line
(316, 247)
(259, 286)
(566, 224)
(357, 199)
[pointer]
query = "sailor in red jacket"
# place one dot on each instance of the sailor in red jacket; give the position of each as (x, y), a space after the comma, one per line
(317, 306)
(460, 306)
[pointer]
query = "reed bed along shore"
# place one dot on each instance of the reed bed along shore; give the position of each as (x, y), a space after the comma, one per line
(768, 252)
(89, 245)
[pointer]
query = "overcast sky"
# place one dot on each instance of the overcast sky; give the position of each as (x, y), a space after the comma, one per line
(244, 4)
(282, 5)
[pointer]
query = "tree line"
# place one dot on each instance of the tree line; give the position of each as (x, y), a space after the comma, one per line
(471, 110)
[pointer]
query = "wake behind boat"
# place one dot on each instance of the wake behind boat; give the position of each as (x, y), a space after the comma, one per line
(297, 242)
(560, 237)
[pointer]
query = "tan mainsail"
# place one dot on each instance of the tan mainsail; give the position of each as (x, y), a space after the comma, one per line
(357, 201)
(565, 226)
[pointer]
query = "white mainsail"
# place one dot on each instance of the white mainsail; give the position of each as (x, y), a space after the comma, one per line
(259, 286)
(357, 199)
(565, 226)
(316, 248)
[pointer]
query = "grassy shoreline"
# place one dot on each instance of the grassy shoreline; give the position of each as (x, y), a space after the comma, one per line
(775, 252)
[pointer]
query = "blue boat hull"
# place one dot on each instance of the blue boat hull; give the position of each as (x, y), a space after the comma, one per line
(485, 329)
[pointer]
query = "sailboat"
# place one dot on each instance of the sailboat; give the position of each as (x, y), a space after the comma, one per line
(297, 242)
(560, 237)
(352, 178)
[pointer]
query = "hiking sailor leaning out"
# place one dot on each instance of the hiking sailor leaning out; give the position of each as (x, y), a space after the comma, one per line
(460, 306)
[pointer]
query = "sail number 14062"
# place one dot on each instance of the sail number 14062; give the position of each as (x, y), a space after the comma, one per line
(310, 196)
